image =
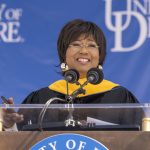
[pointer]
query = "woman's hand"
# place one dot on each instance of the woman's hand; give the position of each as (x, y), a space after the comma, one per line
(10, 117)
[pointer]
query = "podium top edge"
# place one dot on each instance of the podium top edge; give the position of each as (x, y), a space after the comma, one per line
(59, 106)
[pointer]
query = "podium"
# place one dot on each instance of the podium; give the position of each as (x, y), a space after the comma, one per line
(113, 140)
(117, 126)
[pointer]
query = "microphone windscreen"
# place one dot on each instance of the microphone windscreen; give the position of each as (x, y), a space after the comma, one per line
(71, 75)
(95, 75)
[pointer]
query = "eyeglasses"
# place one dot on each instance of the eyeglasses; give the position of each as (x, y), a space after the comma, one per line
(76, 46)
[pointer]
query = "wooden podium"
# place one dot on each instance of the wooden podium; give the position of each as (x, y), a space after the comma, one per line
(113, 140)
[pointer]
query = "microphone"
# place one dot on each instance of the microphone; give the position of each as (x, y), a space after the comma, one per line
(71, 76)
(95, 75)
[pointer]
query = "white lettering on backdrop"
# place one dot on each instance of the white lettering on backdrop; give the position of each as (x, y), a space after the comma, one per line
(135, 10)
(10, 24)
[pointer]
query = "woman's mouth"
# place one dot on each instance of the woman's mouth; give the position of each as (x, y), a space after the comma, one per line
(83, 60)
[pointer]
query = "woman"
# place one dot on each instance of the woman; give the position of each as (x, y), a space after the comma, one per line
(82, 46)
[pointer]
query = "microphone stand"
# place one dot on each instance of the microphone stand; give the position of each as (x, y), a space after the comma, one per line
(70, 121)
(43, 111)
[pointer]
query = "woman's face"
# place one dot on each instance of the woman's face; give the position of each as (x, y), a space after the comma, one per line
(82, 55)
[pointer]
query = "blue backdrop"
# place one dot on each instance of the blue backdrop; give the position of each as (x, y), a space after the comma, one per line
(28, 37)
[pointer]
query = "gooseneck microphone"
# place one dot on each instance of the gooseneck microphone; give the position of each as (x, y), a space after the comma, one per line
(95, 76)
(71, 76)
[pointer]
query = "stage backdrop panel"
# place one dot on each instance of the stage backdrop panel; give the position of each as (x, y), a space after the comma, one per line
(28, 42)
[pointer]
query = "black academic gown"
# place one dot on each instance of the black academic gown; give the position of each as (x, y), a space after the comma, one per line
(104, 93)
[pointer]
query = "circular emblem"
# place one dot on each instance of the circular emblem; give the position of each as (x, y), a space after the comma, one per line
(68, 142)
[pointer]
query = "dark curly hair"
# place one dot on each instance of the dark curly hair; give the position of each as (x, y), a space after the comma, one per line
(74, 29)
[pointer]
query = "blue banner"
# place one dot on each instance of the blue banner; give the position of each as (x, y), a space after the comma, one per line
(28, 38)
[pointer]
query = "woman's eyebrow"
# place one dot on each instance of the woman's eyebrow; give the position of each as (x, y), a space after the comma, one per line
(91, 40)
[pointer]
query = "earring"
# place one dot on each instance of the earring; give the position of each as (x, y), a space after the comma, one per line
(100, 67)
(64, 67)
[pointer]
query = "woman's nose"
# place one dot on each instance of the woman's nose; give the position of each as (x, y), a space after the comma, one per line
(83, 49)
